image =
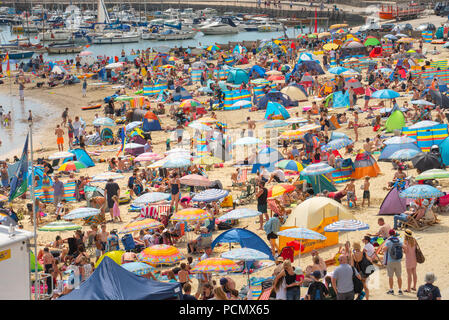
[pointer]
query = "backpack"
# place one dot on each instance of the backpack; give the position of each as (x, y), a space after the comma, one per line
(316, 293)
(425, 292)
(395, 252)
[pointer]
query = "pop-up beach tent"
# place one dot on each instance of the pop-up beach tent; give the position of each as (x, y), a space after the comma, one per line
(395, 121)
(276, 111)
(113, 282)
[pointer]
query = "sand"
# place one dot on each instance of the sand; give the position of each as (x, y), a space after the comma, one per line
(430, 240)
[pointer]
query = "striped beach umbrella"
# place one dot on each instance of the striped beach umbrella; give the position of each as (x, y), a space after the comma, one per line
(160, 254)
(189, 103)
(210, 195)
(337, 144)
(290, 165)
(106, 176)
(148, 156)
(291, 135)
(199, 126)
(138, 268)
(316, 169)
(141, 225)
(399, 140)
(150, 197)
(421, 191)
(346, 225)
(209, 121)
(240, 213)
(72, 166)
(280, 189)
(195, 180)
(215, 265)
(301, 233)
(60, 226)
(81, 213)
(191, 214)
(433, 174)
(106, 122)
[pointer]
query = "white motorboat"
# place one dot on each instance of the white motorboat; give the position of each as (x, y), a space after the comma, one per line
(109, 38)
(224, 26)
(170, 34)
(55, 35)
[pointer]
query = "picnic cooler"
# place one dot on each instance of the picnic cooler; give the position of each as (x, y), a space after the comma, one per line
(128, 242)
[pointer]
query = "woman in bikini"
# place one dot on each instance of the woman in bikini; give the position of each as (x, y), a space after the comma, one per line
(175, 186)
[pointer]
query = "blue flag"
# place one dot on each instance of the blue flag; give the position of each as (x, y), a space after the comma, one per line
(19, 182)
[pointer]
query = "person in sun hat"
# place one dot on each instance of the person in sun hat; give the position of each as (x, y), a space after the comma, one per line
(410, 246)
(279, 266)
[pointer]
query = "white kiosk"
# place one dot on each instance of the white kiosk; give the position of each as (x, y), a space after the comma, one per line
(15, 264)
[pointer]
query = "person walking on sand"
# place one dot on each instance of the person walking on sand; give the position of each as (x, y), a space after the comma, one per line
(251, 126)
(350, 195)
(59, 138)
(65, 115)
(366, 193)
(262, 206)
(410, 245)
(393, 252)
(111, 189)
(84, 87)
(175, 186)
(70, 132)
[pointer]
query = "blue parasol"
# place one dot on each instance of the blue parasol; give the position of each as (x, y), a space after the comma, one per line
(210, 195)
(81, 213)
(240, 213)
(421, 191)
(385, 94)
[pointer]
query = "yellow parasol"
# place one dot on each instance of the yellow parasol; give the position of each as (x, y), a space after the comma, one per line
(330, 46)
(338, 26)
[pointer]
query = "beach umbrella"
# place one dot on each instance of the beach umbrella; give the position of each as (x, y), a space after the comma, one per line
(426, 161)
(138, 268)
(240, 213)
(246, 255)
(421, 191)
(324, 34)
(346, 225)
(296, 120)
(274, 73)
(72, 166)
(199, 126)
(85, 53)
(105, 176)
(385, 94)
(337, 70)
(406, 40)
(210, 195)
(245, 141)
(131, 126)
(260, 81)
(404, 154)
(371, 41)
(309, 127)
(167, 66)
(116, 256)
(148, 156)
(337, 144)
(391, 37)
(399, 140)
(207, 160)
(338, 26)
(280, 189)
(157, 164)
(301, 233)
(160, 254)
(290, 165)
(133, 145)
(150, 197)
(213, 48)
(141, 225)
(81, 213)
(291, 135)
(275, 78)
(114, 65)
(352, 45)
(316, 169)
(423, 124)
(191, 214)
(107, 122)
(433, 174)
(208, 121)
(422, 103)
(276, 124)
(60, 226)
(177, 150)
(351, 72)
(190, 103)
(176, 162)
(330, 46)
(215, 265)
(60, 155)
(195, 180)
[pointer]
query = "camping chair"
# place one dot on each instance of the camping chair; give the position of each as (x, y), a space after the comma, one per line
(288, 253)
(413, 223)
(247, 195)
(430, 218)
(243, 179)
(182, 233)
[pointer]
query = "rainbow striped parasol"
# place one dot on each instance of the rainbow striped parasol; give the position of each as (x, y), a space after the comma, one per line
(208, 121)
(291, 135)
(141, 225)
(160, 254)
(191, 214)
(216, 265)
(72, 166)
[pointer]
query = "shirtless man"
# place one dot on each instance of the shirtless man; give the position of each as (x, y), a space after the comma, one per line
(251, 126)
(350, 189)
(366, 193)
(103, 238)
(59, 137)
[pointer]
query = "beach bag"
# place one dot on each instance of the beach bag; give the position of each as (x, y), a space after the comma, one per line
(395, 252)
(365, 266)
(419, 255)
(358, 284)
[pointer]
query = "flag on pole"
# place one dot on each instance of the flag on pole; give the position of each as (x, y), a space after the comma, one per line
(123, 137)
(19, 182)
(316, 21)
(8, 68)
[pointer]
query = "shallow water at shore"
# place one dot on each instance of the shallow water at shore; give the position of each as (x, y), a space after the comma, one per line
(13, 137)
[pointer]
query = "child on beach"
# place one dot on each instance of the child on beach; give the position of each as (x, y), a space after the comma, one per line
(366, 193)
(116, 209)
(59, 138)
(183, 274)
(350, 189)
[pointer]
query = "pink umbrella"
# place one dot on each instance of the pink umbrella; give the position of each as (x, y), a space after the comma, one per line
(148, 156)
(195, 180)
(86, 53)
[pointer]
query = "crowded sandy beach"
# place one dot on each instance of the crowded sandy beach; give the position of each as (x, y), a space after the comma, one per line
(273, 171)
